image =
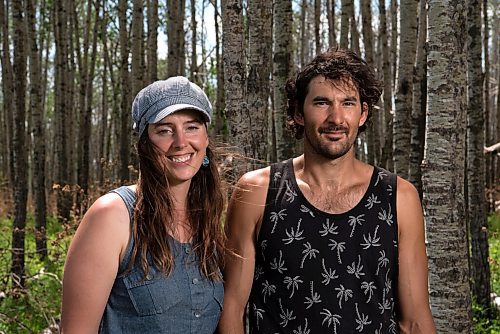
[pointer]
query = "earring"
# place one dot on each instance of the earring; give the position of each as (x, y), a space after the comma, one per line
(205, 161)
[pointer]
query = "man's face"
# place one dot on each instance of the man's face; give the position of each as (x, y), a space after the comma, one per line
(333, 113)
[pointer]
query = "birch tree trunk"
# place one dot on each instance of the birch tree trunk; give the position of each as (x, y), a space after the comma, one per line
(152, 41)
(407, 54)
(330, 13)
(137, 46)
(419, 102)
(125, 130)
(20, 150)
(259, 72)
(373, 137)
(36, 107)
(303, 28)
(282, 59)
(7, 89)
(475, 162)
(194, 76)
(235, 81)
(317, 22)
(219, 106)
(443, 168)
(344, 23)
(175, 32)
(61, 108)
(354, 42)
(386, 159)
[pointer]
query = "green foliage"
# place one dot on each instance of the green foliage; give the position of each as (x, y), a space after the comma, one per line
(485, 323)
(37, 307)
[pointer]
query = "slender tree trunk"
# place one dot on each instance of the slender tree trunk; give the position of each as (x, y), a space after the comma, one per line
(38, 131)
(220, 118)
(386, 160)
(61, 109)
(373, 137)
(477, 211)
(235, 81)
(487, 126)
(194, 76)
(303, 28)
(283, 21)
(175, 32)
(259, 72)
(7, 90)
(137, 46)
(419, 101)
(444, 186)
(317, 21)
(344, 23)
(394, 40)
(20, 187)
(152, 41)
(407, 54)
(124, 133)
(354, 42)
(330, 10)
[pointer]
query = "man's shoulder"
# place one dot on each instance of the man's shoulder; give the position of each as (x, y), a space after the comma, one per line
(257, 177)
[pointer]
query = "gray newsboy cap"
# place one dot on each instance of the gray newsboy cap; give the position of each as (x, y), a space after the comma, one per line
(164, 97)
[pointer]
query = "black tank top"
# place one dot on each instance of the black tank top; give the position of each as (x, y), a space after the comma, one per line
(317, 272)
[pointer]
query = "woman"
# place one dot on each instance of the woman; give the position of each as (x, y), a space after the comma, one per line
(145, 258)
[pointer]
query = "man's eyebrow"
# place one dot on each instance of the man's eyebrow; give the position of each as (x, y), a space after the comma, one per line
(320, 98)
(194, 120)
(350, 98)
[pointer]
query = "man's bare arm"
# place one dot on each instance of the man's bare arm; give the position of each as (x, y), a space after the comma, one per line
(243, 218)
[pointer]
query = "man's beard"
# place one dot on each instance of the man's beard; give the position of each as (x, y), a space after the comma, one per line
(330, 149)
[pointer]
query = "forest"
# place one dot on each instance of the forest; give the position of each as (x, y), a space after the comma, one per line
(70, 69)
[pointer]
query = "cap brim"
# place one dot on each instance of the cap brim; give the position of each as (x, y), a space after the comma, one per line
(174, 108)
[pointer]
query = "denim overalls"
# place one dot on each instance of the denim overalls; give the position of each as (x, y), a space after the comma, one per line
(183, 302)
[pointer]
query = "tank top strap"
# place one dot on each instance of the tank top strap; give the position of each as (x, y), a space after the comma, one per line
(128, 196)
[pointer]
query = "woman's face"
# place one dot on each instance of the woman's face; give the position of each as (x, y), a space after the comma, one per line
(183, 138)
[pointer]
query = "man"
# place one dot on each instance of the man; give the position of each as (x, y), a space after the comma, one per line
(325, 242)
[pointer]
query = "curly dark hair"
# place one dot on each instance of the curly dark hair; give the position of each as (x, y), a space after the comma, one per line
(336, 65)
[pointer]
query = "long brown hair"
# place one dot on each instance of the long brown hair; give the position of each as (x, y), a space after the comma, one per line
(153, 215)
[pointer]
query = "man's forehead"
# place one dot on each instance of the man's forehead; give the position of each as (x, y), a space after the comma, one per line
(346, 85)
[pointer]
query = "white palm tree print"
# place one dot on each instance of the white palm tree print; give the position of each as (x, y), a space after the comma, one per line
(343, 294)
(259, 314)
(371, 241)
(308, 252)
(277, 216)
(379, 330)
(294, 235)
(278, 264)
(285, 315)
(356, 269)
(305, 209)
(330, 319)
(277, 176)
(386, 216)
(293, 283)
(362, 320)
(315, 297)
(368, 288)
(268, 289)
(328, 274)
(290, 194)
(302, 331)
(380, 176)
(258, 271)
(372, 200)
(353, 221)
(328, 228)
(340, 246)
(383, 261)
